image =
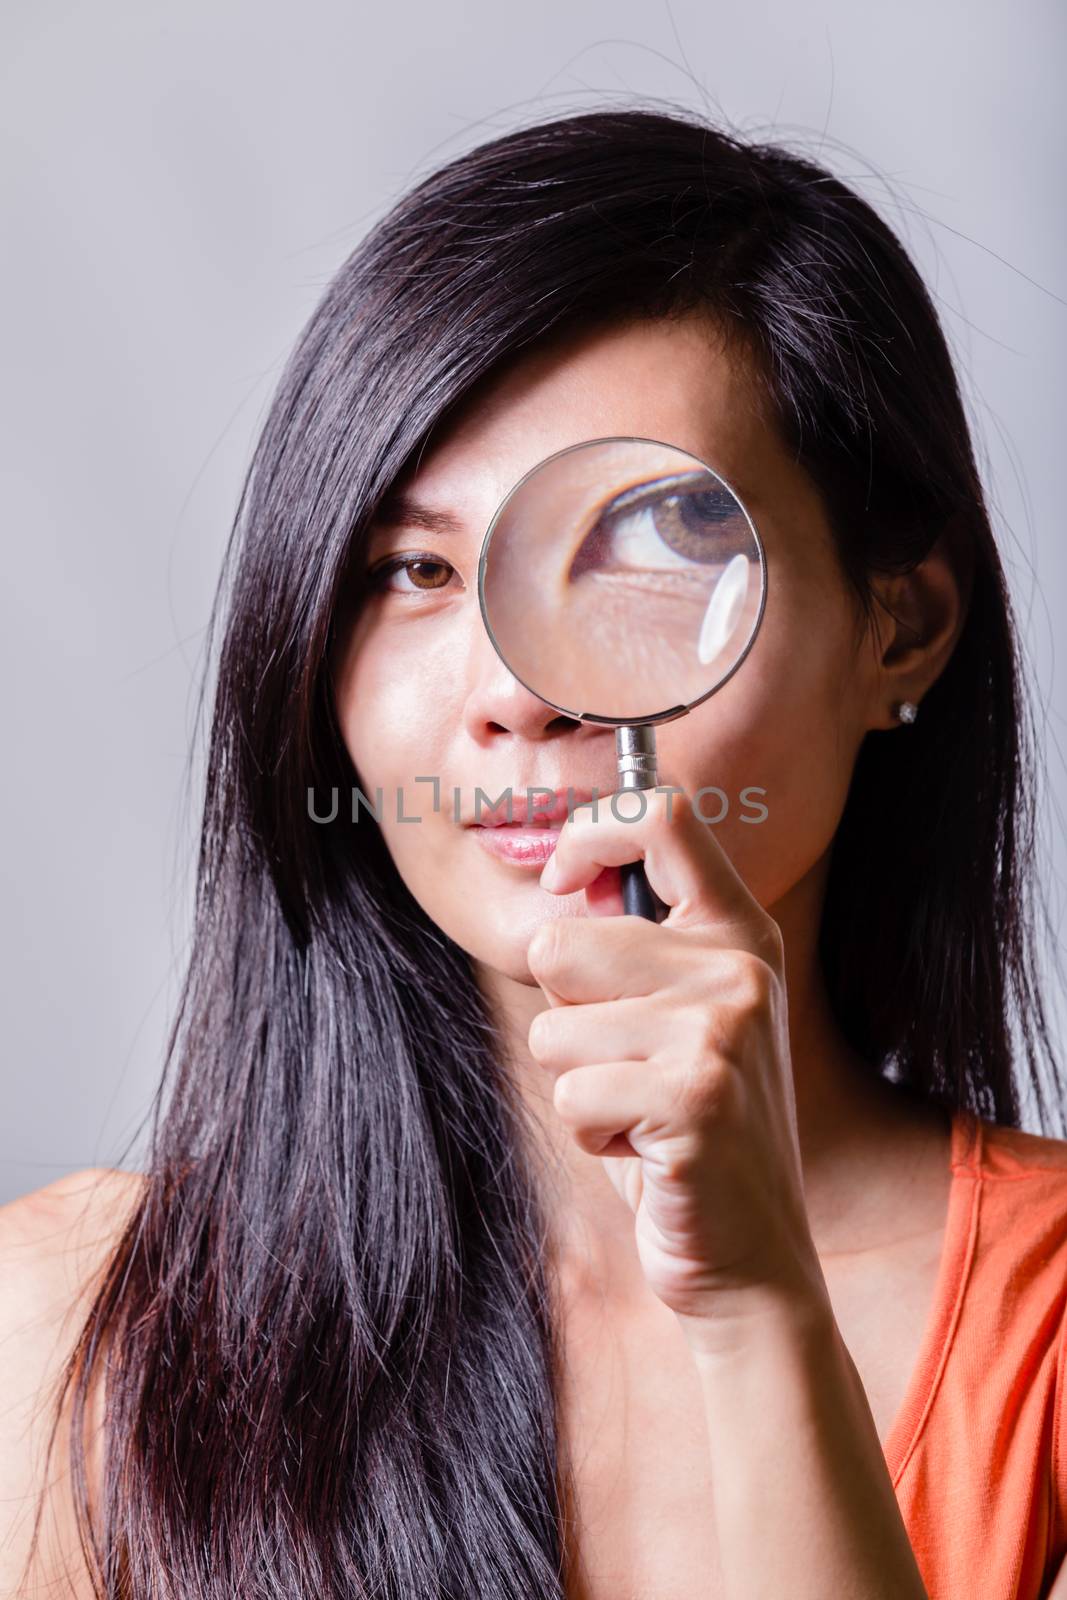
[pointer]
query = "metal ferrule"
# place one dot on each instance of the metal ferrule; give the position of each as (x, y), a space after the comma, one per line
(635, 749)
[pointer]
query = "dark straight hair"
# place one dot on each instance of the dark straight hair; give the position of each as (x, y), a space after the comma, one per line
(328, 1328)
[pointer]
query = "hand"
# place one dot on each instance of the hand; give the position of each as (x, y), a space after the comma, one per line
(671, 1046)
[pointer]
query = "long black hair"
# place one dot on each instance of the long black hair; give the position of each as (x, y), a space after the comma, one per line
(327, 1332)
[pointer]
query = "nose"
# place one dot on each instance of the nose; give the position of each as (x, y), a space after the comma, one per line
(498, 705)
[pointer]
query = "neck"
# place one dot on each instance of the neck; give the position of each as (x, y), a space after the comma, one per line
(844, 1109)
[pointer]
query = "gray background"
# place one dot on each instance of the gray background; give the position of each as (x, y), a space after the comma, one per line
(179, 183)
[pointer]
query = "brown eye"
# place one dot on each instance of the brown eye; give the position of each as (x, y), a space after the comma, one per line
(704, 526)
(421, 573)
(657, 530)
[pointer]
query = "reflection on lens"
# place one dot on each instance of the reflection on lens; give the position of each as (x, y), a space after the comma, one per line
(724, 609)
(622, 578)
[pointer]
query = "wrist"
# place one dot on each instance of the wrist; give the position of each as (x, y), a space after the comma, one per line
(759, 1321)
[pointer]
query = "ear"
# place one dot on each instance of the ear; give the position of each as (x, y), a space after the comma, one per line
(917, 620)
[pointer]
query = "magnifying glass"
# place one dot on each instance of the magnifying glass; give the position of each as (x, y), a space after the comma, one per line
(622, 581)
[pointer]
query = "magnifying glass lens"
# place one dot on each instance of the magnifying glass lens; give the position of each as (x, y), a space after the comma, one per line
(622, 580)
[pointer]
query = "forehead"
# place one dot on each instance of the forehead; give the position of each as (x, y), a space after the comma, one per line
(675, 380)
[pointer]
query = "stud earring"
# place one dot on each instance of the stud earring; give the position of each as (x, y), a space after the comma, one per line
(907, 711)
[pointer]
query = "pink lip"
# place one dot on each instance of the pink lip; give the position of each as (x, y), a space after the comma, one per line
(541, 813)
(523, 847)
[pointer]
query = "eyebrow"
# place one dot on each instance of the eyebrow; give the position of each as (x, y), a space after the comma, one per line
(400, 510)
(403, 510)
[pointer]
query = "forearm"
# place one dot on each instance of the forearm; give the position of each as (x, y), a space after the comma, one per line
(803, 1502)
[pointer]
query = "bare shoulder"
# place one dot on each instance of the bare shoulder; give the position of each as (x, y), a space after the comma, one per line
(72, 1217)
(54, 1246)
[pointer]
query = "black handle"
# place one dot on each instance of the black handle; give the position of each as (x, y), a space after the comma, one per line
(635, 750)
(637, 897)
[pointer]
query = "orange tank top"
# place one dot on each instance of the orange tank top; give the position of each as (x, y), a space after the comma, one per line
(978, 1451)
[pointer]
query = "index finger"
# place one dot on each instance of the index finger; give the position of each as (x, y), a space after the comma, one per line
(684, 863)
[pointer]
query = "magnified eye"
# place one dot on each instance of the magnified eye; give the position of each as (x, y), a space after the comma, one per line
(656, 527)
(422, 572)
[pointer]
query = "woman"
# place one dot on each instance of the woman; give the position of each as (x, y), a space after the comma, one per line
(494, 1243)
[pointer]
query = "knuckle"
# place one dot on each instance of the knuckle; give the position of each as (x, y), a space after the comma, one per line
(540, 1034)
(771, 944)
(545, 947)
(565, 1097)
(751, 985)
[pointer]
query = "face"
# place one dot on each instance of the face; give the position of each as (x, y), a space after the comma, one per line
(422, 693)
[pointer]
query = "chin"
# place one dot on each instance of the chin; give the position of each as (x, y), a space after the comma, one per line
(501, 938)
(505, 956)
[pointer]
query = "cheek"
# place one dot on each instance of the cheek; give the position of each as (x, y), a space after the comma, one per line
(786, 729)
(399, 697)
(397, 700)
(400, 705)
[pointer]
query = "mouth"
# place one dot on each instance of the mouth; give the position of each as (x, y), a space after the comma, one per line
(524, 828)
